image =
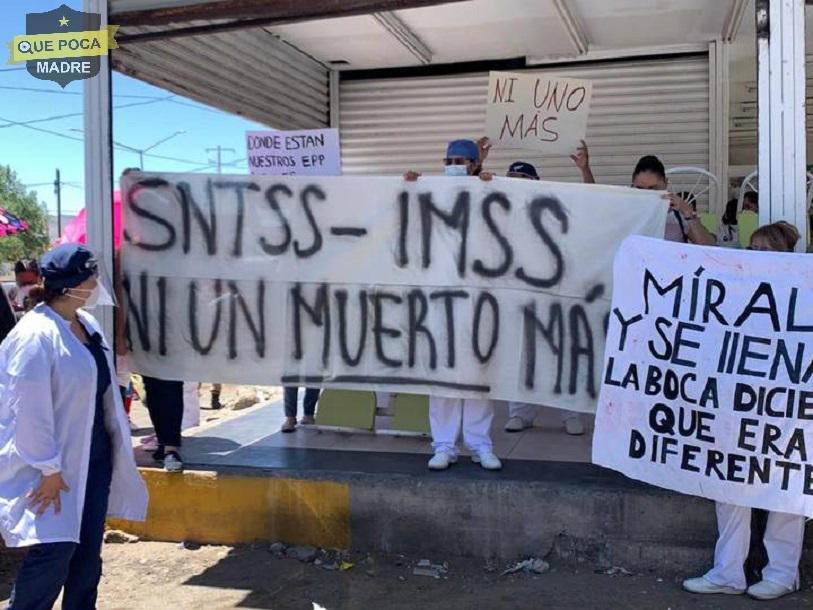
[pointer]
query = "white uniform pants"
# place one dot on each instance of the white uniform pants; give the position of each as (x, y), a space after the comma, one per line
(784, 534)
(448, 415)
(191, 405)
(528, 412)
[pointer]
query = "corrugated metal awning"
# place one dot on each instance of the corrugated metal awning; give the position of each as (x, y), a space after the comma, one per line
(251, 73)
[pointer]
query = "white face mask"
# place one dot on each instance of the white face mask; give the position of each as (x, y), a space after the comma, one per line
(97, 296)
(457, 170)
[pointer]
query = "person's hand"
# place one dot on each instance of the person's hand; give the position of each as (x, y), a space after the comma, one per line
(484, 146)
(486, 176)
(47, 494)
(679, 205)
(411, 176)
(582, 157)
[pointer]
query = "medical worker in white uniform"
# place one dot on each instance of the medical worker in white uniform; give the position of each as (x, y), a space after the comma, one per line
(521, 415)
(449, 416)
(66, 462)
(784, 533)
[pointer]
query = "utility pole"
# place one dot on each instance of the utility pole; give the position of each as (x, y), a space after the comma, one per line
(58, 193)
(220, 150)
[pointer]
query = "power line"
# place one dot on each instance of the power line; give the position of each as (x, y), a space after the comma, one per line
(213, 166)
(67, 116)
(67, 137)
(194, 105)
(12, 69)
(61, 92)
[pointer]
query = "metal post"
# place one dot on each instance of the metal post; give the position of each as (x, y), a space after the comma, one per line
(719, 77)
(782, 146)
(58, 193)
(335, 98)
(220, 150)
(99, 164)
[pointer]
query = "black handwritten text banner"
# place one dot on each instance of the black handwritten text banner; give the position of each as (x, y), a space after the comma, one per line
(707, 386)
(449, 286)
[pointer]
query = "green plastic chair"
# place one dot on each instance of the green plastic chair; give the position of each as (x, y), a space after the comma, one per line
(747, 223)
(411, 413)
(346, 409)
(709, 220)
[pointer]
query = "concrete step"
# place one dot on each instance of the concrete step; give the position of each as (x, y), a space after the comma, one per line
(390, 503)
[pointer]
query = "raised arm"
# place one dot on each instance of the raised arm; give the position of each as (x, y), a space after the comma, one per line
(582, 160)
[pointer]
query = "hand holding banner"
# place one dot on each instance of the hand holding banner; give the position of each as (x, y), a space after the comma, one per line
(449, 286)
(708, 376)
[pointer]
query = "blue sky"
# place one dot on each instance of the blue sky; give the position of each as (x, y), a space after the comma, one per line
(35, 155)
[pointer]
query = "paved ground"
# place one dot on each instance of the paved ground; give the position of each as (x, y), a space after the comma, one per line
(149, 575)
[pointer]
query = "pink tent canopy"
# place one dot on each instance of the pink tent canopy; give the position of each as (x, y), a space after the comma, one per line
(76, 230)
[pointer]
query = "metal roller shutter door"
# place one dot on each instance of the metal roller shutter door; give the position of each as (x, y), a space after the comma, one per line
(639, 107)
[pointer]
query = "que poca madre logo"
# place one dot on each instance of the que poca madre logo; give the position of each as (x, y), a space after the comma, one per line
(62, 45)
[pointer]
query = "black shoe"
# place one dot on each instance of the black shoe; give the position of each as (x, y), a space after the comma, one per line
(159, 454)
(173, 462)
(215, 405)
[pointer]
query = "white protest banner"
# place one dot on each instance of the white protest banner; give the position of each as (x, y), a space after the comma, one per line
(707, 381)
(451, 286)
(537, 112)
(314, 152)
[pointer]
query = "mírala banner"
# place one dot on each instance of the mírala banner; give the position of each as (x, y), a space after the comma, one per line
(706, 387)
(445, 286)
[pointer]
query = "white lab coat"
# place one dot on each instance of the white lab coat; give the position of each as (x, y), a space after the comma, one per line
(47, 404)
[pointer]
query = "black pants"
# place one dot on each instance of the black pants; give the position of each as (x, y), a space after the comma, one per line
(165, 404)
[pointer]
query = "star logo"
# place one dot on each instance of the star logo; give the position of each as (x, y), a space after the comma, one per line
(63, 21)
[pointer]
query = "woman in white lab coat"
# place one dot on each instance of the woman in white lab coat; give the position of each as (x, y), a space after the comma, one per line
(66, 461)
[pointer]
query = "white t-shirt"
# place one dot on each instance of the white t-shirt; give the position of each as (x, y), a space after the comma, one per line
(20, 295)
(728, 236)
(674, 231)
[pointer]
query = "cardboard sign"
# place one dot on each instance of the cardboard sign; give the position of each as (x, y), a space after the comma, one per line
(314, 152)
(708, 381)
(537, 112)
(446, 286)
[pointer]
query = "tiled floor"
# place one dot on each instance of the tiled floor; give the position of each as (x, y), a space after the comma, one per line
(242, 439)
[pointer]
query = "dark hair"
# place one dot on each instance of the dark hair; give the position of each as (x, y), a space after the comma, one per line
(751, 196)
(782, 236)
(41, 294)
(730, 214)
(26, 264)
(650, 164)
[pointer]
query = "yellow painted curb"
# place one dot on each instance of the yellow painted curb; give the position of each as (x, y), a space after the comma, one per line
(224, 509)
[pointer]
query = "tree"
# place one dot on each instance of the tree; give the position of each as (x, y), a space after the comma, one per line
(16, 199)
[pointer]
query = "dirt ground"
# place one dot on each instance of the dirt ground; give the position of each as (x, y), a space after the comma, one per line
(159, 576)
(162, 576)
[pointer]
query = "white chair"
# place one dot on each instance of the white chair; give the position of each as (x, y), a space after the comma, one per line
(698, 184)
(701, 187)
(751, 183)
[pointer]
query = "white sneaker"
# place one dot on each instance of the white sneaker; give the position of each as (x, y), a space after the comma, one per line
(703, 586)
(517, 424)
(574, 426)
(441, 461)
(487, 460)
(765, 590)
